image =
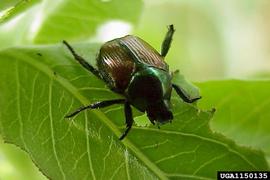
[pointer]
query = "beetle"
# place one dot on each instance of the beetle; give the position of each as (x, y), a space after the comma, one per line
(131, 67)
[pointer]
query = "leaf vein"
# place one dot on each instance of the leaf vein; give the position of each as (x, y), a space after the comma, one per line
(127, 164)
(18, 104)
(209, 162)
(106, 156)
(88, 147)
(202, 138)
(52, 131)
(177, 154)
(117, 170)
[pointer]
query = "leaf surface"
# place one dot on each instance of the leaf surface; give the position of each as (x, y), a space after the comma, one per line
(242, 110)
(40, 85)
(80, 19)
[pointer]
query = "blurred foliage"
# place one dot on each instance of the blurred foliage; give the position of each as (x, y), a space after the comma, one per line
(81, 18)
(13, 8)
(51, 21)
(213, 40)
(15, 164)
(5, 4)
(197, 47)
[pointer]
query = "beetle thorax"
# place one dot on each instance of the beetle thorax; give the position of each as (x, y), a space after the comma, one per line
(149, 87)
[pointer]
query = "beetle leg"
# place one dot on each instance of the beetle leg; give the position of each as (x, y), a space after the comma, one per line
(96, 105)
(182, 93)
(152, 121)
(129, 120)
(167, 41)
(81, 60)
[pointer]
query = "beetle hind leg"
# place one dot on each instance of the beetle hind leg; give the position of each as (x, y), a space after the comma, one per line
(82, 61)
(129, 120)
(166, 44)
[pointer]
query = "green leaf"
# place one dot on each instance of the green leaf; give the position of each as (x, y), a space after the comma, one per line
(52, 21)
(6, 4)
(242, 110)
(40, 85)
(16, 164)
(13, 8)
(16, 21)
(71, 19)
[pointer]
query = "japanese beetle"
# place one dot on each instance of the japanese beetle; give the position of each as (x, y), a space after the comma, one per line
(134, 69)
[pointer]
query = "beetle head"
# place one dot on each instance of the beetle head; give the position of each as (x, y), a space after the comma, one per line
(150, 91)
(160, 112)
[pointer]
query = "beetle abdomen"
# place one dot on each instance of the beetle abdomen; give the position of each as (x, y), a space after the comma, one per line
(115, 65)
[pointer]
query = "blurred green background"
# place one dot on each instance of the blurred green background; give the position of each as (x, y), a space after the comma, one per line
(225, 39)
(213, 39)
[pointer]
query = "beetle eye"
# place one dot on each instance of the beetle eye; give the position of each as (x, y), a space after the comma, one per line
(170, 115)
(166, 115)
(160, 112)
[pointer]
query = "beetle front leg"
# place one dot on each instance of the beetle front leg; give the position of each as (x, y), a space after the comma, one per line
(182, 93)
(167, 41)
(82, 61)
(96, 105)
(129, 120)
